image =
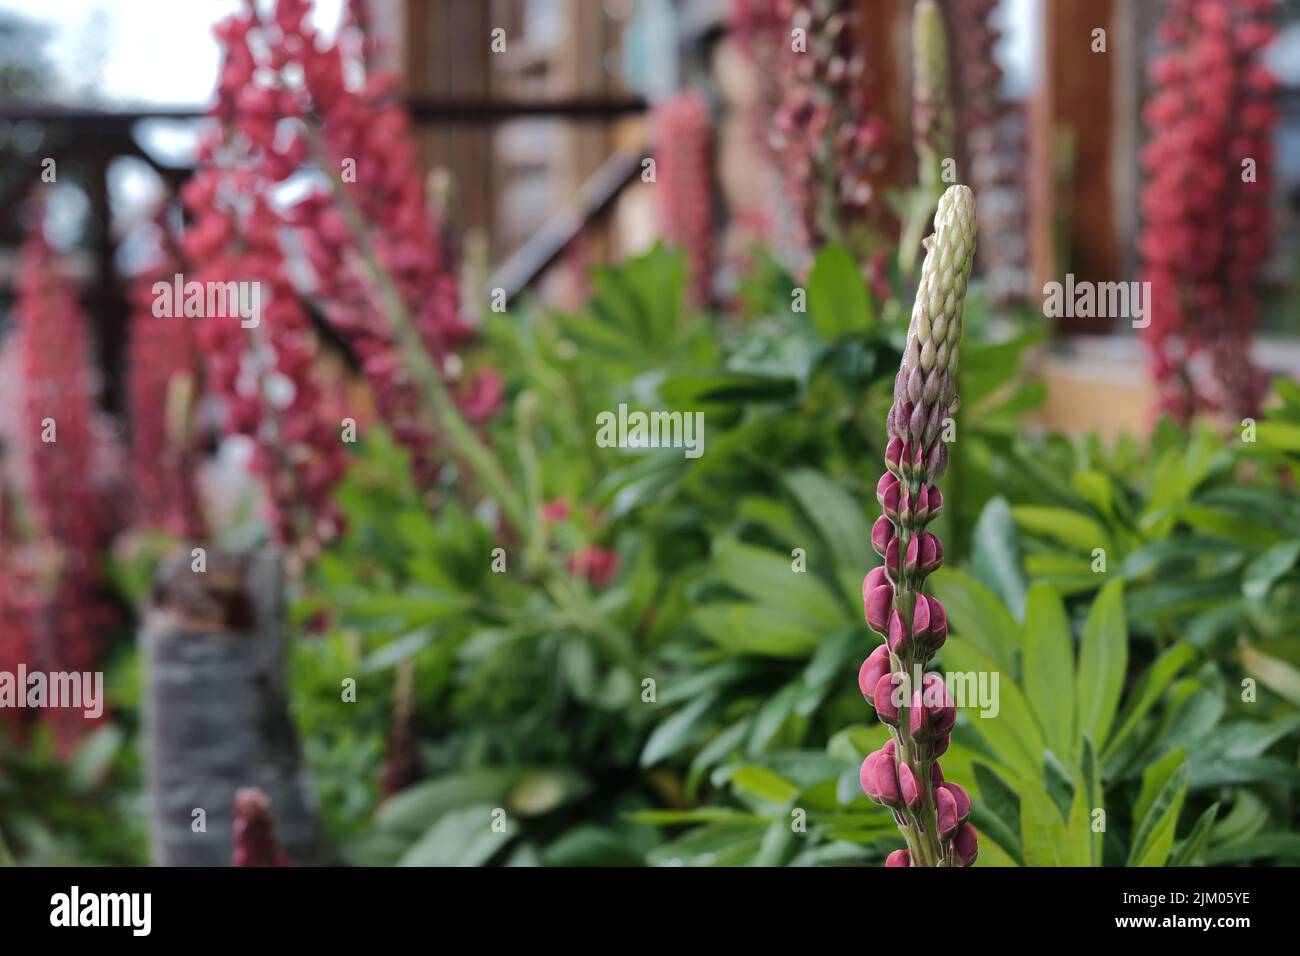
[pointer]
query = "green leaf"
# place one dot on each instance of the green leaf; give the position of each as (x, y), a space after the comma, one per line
(679, 731)
(1103, 657)
(995, 554)
(1093, 793)
(996, 811)
(1013, 732)
(1283, 847)
(756, 629)
(768, 577)
(774, 712)
(838, 304)
(1154, 838)
(1191, 848)
(459, 838)
(1277, 675)
(1070, 528)
(1263, 572)
(1043, 832)
(1147, 691)
(837, 518)
(412, 809)
(1049, 667)
(1154, 779)
(976, 615)
(540, 791)
(764, 783)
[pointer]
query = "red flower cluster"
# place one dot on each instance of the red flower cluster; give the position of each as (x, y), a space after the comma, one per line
(827, 129)
(682, 144)
(163, 373)
(1206, 203)
(255, 840)
(59, 444)
(302, 103)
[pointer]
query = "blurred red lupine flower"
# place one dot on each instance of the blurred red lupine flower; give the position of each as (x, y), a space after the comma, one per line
(299, 100)
(163, 376)
(1207, 230)
(254, 831)
(597, 565)
(684, 183)
(60, 445)
(827, 130)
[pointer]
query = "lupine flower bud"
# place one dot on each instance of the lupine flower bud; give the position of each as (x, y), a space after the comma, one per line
(887, 493)
(946, 807)
(908, 787)
(899, 858)
(918, 724)
(867, 776)
(885, 780)
(886, 706)
(936, 774)
(255, 841)
(879, 604)
(960, 797)
(894, 455)
(874, 667)
(965, 846)
(882, 532)
(897, 634)
(941, 744)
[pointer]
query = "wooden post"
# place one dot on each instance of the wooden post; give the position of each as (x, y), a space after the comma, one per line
(216, 715)
(1073, 222)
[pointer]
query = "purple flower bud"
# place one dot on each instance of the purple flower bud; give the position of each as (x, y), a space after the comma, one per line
(867, 776)
(882, 532)
(920, 508)
(887, 493)
(945, 806)
(889, 747)
(886, 780)
(918, 724)
(965, 846)
(879, 604)
(883, 699)
(939, 707)
(905, 458)
(936, 774)
(931, 552)
(913, 554)
(935, 500)
(962, 799)
(899, 858)
(908, 786)
(916, 424)
(921, 618)
(938, 624)
(897, 634)
(936, 463)
(891, 560)
(873, 668)
(874, 579)
(894, 454)
(941, 744)
(905, 508)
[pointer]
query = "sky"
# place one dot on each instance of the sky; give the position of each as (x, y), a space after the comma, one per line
(138, 52)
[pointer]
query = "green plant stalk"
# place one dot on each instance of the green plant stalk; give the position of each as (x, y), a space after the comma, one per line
(479, 457)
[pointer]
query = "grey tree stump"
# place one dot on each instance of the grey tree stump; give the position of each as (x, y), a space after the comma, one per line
(216, 714)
